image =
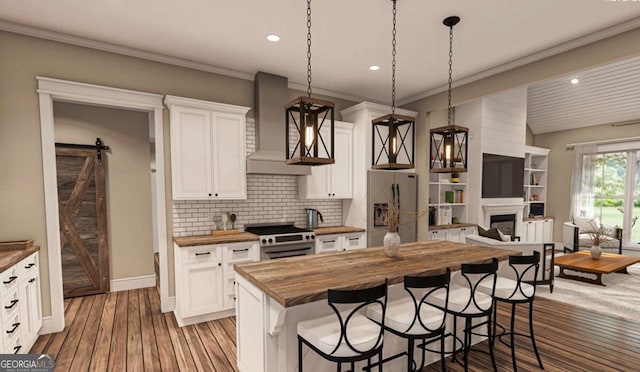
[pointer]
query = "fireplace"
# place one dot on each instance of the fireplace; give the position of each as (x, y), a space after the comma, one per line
(506, 223)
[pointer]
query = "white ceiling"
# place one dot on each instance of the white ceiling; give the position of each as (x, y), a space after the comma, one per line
(347, 36)
(605, 95)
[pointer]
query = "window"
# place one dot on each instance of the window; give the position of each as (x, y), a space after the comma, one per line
(610, 188)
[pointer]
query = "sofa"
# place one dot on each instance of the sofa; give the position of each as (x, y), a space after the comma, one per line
(547, 250)
(575, 235)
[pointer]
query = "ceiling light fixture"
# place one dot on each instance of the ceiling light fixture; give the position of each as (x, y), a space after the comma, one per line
(273, 38)
(374, 67)
(449, 146)
(393, 148)
(310, 122)
(575, 81)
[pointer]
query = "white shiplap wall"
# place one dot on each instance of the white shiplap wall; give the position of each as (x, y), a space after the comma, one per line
(270, 199)
(504, 123)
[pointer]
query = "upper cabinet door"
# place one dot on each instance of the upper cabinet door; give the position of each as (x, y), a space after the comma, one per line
(229, 158)
(334, 180)
(191, 153)
(342, 170)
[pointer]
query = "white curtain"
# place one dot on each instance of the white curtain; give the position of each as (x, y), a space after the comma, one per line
(582, 180)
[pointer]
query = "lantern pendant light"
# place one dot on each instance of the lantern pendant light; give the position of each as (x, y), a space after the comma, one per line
(393, 135)
(310, 122)
(449, 144)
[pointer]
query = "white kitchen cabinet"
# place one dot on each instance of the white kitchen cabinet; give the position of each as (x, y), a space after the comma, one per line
(30, 307)
(538, 230)
(20, 306)
(454, 234)
(205, 284)
(208, 158)
(334, 181)
(339, 242)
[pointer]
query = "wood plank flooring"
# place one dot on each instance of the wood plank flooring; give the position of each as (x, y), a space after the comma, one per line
(125, 331)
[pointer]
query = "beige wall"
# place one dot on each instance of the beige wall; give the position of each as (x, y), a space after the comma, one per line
(561, 164)
(22, 58)
(128, 179)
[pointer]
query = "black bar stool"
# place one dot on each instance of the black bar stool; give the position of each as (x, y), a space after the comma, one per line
(515, 285)
(468, 302)
(414, 318)
(347, 336)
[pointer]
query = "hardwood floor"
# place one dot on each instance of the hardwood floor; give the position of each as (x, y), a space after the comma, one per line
(126, 331)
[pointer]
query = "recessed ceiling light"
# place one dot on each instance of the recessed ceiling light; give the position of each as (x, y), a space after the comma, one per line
(374, 67)
(273, 37)
(575, 81)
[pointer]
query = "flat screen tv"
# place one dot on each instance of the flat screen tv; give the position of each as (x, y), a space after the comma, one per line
(502, 176)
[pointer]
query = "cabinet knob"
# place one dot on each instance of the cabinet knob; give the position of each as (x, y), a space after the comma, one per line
(219, 263)
(209, 194)
(216, 194)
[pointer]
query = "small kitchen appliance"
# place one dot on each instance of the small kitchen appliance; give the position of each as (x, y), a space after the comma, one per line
(312, 218)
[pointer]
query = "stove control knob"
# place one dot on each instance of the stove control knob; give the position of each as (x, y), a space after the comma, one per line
(307, 237)
(270, 240)
(264, 241)
(313, 236)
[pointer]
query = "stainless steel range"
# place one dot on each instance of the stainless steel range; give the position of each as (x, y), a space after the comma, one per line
(283, 240)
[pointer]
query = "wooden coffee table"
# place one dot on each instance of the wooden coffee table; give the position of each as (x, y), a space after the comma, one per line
(582, 262)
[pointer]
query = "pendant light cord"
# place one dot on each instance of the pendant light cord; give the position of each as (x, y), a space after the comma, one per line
(309, 48)
(450, 72)
(393, 62)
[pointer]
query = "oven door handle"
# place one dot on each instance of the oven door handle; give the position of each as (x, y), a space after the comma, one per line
(291, 250)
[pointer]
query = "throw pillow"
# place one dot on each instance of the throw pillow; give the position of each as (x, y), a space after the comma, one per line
(491, 233)
(586, 224)
(503, 237)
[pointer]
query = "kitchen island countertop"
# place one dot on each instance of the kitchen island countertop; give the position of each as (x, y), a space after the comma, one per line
(300, 280)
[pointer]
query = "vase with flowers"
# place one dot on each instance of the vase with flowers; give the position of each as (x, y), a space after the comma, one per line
(391, 240)
(598, 233)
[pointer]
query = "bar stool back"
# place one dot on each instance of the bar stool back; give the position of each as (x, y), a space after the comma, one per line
(347, 336)
(466, 300)
(414, 318)
(517, 285)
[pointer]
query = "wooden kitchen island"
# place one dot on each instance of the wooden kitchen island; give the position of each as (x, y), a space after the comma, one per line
(273, 296)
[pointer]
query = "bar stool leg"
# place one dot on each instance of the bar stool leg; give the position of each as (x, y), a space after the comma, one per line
(513, 345)
(299, 354)
(491, 336)
(455, 339)
(467, 342)
(410, 354)
(442, 361)
(533, 340)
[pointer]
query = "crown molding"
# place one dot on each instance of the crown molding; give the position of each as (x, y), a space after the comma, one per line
(560, 48)
(156, 57)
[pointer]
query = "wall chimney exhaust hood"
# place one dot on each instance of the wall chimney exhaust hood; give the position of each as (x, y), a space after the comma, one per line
(271, 94)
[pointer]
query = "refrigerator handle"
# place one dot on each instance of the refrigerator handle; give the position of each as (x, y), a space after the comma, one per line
(393, 195)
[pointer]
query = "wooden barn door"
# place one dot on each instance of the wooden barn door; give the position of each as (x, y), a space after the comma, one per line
(83, 220)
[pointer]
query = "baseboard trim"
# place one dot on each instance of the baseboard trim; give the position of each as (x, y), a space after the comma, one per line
(137, 282)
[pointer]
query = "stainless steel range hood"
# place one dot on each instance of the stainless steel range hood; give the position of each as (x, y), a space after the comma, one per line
(271, 95)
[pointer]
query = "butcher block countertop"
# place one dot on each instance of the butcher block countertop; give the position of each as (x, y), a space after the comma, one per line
(189, 241)
(10, 257)
(337, 230)
(299, 280)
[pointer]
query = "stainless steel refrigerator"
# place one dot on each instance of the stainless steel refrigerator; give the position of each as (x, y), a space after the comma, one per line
(383, 189)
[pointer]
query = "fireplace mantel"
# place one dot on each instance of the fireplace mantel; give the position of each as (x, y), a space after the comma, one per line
(503, 208)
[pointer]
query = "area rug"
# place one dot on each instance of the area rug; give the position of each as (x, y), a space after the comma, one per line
(620, 297)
